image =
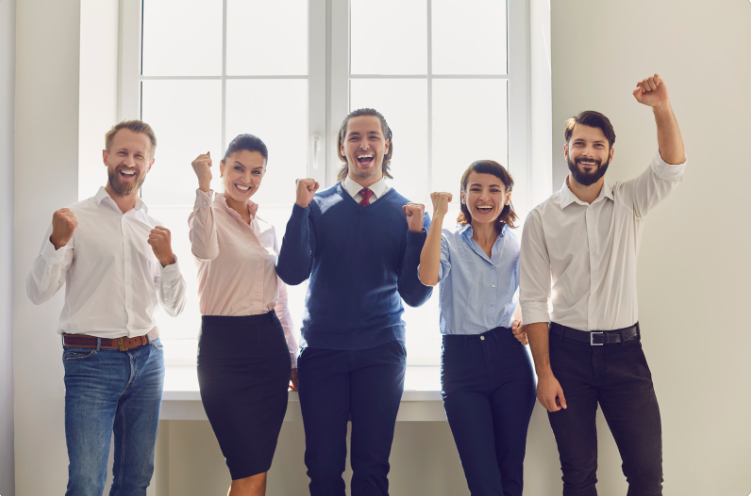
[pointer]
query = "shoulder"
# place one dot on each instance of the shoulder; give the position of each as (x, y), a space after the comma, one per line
(511, 238)
(394, 196)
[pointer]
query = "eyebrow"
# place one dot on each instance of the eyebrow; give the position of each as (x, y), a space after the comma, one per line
(237, 162)
(480, 185)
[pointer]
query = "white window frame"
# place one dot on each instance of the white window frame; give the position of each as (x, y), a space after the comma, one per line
(328, 91)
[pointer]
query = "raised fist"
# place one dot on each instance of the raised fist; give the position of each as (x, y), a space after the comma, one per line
(415, 214)
(160, 240)
(64, 223)
(202, 168)
(306, 189)
(440, 203)
(651, 91)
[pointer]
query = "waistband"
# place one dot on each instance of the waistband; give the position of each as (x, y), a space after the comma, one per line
(496, 334)
(122, 344)
(597, 338)
(233, 322)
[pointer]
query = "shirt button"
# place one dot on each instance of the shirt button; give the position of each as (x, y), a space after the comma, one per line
(493, 285)
(482, 338)
(492, 303)
(128, 307)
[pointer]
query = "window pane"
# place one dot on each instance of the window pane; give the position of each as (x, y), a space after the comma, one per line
(469, 37)
(267, 38)
(388, 37)
(182, 38)
(403, 102)
(469, 123)
(277, 112)
(187, 120)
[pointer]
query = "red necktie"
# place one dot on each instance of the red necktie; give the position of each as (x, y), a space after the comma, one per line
(366, 194)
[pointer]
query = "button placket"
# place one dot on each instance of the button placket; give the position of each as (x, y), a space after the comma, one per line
(128, 273)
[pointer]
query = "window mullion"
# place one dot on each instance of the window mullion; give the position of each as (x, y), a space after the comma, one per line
(429, 185)
(224, 74)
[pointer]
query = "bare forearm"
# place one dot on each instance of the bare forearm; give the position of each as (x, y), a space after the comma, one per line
(430, 258)
(669, 135)
(538, 343)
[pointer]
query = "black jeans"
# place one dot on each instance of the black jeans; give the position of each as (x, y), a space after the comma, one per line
(617, 376)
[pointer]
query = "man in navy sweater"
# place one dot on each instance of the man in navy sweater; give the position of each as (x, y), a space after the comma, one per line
(361, 253)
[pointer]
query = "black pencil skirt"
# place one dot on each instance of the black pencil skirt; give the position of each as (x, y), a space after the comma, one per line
(243, 373)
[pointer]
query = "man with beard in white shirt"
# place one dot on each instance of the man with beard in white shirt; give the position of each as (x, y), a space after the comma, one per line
(579, 252)
(117, 264)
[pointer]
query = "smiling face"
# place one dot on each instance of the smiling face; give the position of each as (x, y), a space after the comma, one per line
(242, 172)
(364, 147)
(588, 154)
(128, 160)
(485, 197)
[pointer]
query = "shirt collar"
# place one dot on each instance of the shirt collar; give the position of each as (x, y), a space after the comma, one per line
(221, 200)
(567, 197)
(466, 231)
(102, 195)
(353, 187)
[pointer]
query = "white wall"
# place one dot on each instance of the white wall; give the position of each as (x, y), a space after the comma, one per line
(7, 82)
(46, 178)
(694, 266)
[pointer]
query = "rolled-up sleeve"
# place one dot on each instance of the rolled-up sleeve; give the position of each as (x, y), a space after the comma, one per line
(171, 289)
(534, 272)
(653, 185)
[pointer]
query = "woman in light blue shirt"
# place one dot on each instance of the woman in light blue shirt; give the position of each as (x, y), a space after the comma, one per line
(486, 374)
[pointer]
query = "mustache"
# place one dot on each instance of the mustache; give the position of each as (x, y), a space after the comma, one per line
(597, 161)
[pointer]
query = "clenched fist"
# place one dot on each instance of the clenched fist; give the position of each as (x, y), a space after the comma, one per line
(306, 189)
(440, 203)
(415, 214)
(202, 168)
(651, 91)
(64, 223)
(160, 240)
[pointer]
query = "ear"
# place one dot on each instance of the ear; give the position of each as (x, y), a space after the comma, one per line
(151, 162)
(342, 151)
(387, 147)
(464, 198)
(105, 156)
(222, 166)
(565, 151)
(612, 153)
(507, 200)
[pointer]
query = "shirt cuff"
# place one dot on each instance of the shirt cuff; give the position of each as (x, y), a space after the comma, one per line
(535, 312)
(299, 214)
(171, 271)
(665, 171)
(51, 255)
(204, 198)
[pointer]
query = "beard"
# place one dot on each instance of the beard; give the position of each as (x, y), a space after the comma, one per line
(122, 188)
(587, 178)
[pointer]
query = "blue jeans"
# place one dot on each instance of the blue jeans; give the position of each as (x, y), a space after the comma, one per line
(110, 391)
(365, 385)
(488, 394)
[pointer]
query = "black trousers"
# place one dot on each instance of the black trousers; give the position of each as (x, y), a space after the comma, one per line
(617, 377)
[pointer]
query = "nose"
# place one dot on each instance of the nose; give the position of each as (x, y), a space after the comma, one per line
(364, 145)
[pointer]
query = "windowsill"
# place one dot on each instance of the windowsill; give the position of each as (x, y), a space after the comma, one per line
(421, 400)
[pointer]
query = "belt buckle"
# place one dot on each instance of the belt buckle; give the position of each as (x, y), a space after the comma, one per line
(121, 344)
(592, 338)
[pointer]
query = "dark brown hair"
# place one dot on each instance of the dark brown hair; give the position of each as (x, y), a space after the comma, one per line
(592, 119)
(508, 216)
(342, 175)
(137, 127)
(247, 142)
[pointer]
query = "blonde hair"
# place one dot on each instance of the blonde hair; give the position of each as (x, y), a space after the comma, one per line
(134, 125)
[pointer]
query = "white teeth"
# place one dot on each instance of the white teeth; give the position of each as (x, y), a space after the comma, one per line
(364, 156)
(128, 173)
(242, 188)
(484, 207)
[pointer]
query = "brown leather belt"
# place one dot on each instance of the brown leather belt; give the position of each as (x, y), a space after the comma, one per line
(122, 344)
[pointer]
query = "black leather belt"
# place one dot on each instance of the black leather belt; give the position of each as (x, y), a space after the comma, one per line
(597, 338)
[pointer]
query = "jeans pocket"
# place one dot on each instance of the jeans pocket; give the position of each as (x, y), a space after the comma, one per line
(157, 344)
(77, 354)
(403, 347)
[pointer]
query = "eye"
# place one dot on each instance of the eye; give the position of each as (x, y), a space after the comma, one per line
(257, 173)
(238, 168)
(475, 190)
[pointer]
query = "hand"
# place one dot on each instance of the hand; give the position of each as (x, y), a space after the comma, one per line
(415, 214)
(160, 240)
(440, 203)
(550, 392)
(293, 379)
(201, 166)
(520, 332)
(306, 190)
(64, 223)
(651, 91)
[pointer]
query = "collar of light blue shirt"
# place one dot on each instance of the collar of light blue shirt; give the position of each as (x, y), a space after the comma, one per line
(466, 231)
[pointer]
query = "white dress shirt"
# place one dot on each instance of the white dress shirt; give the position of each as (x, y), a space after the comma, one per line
(113, 279)
(379, 188)
(236, 264)
(582, 257)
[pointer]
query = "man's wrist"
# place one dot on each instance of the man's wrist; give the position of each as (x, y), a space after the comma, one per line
(57, 244)
(168, 260)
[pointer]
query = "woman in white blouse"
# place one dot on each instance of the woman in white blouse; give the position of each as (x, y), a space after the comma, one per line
(247, 351)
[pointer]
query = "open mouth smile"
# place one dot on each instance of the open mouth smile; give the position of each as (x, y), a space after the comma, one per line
(365, 159)
(244, 189)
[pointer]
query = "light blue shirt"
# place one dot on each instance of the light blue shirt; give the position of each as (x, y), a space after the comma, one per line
(477, 293)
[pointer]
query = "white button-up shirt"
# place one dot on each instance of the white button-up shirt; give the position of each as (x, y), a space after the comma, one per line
(379, 188)
(113, 279)
(582, 257)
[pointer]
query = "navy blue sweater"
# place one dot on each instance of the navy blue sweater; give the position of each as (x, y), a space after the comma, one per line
(361, 262)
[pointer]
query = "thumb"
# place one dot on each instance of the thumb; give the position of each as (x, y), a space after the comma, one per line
(561, 398)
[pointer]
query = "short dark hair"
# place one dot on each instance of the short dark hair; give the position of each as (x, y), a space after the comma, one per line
(508, 215)
(247, 142)
(342, 175)
(592, 119)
